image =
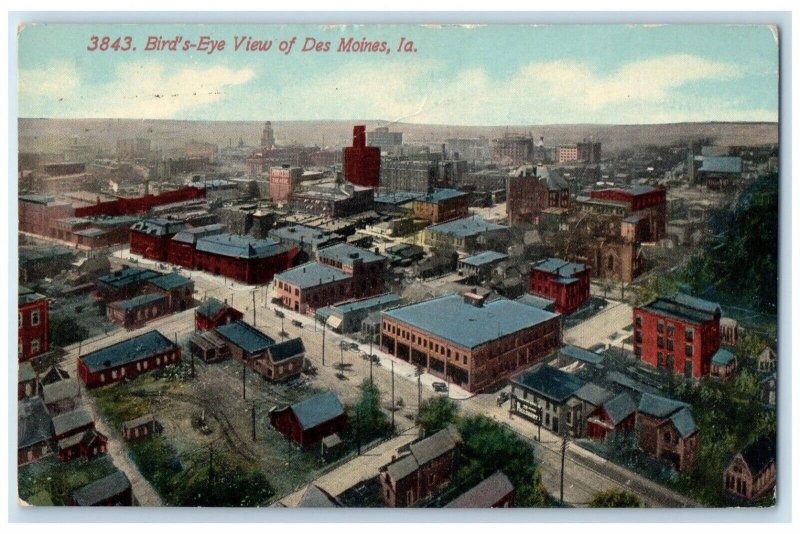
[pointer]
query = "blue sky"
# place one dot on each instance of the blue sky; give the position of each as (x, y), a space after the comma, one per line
(487, 75)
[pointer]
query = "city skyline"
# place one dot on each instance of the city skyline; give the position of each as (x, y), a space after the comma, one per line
(544, 75)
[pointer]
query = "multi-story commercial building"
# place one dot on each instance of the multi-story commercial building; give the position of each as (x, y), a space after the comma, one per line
(637, 213)
(133, 149)
(383, 138)
(589, 152)
(243, 258)
(312, 285)
(564, 282)
(442, 206)
(512, 150)
(468, 341)
(677, 333)
(151, 238)
(531, 190)
(463, 235)
(363, 265)
(182, 245)
(567, 153)
(283, 181)
(33, 324)
(362, 163)
(409, 175)
(38, 214)
(332, 199)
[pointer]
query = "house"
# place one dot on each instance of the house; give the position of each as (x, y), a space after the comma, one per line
(678, 333)
(588, 398)
(141, 427)
(495, 491)
(281, 361)
(464, 235)
(768, 360)
(244, 341)
(135, 312)
(209, 346)
(311, 286)
(752, 472)
(420, 474)
(729, 331)
(62, 396)
(53, 374)
(667, 430)
(468, 340)
(442, 205)
(112, 490)
(77, 437)
(564, 282)
(212, 313)
(178, 290)
(617, 414)
(123, 284)
(363, 265)
(127, 359)
(316, 497)
(309, 421)
(32, 324)
(34, 430)
(723, 364)
(543, 394)
(482, 264)
(27, 381)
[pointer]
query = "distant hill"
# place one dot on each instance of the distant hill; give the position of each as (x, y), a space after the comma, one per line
(54, 135)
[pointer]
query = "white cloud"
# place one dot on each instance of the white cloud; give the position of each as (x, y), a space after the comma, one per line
(57, 80)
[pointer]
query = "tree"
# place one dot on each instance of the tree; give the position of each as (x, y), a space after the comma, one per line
(488, 447)
(65, 330)
(366, 418)
(232, 485)
(615, 498)
(436, 413)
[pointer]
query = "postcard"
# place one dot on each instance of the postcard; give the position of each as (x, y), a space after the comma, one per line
(397, 266)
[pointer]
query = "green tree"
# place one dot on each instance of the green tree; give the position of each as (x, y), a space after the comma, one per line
(488, 447)
(65, 330)
(230, 484)
(366, 418)
(615, 498)
(436, 413)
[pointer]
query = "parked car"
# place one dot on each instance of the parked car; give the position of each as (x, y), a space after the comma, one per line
(297, 323)
(439, 386)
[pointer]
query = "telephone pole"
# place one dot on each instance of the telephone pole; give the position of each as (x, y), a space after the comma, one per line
(370, 356)
(419, 394)
(324, 324)
(254, 307)
(244, 383)
(393, 407)
(253, 419)
(563, 457)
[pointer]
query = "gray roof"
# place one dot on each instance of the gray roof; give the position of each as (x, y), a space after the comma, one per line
(631, 189)
(141, 300)
(380, 301)
(537, 302)
(211, 307)
(432, 447)
(311, 275)
(619, 407)
(441, 195)
(722, 357)
(629, 383)
(158, 227)
(287, 349)
(128, 351)
(466, 227)
(684, 422)
(27, 296)
(297, 233)
(346, 254)
(397, 197)
(99, 490)
(26, 372)
(139, 421)
(583, 355)
(71, 420)
(246, 337)
(318, 409)
(560, 267)
(550, 382)
(593, 394)
(127, 276)
(659, 406)
(450, 317)
(722, 164)
(759, 454)
(485, 494)
(237, 246)
(402, 467)
(33, 422)
(484, 258)
(685, 308)
(68, 388)
(316, 497)
(170, 281)
(191, 235)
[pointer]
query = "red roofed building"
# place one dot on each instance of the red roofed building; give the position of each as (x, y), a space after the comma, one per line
(646, 210)
(362, 163)
(564, 282)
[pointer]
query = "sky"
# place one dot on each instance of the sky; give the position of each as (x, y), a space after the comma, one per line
(480, 75)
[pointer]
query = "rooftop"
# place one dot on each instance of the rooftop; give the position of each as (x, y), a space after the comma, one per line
(27, 296)
(553, 383)
(370, 302)
(759, 454)
(723, 357)
(71, 420)
(170, 281)
(484, 258)
(238, 246)
(136, 302)
(33, 422)
(397, 198)
(286, 349)
(191, 235)
(485, 494)
(63, 389)
(347, 254)
(211, 307)
(619, 407)
(434, 446)
(442, 195)
(128, 351)
(659, 406)
(593, 394)
(158, 227)
(311, 275)
(99, 490)
(246, 337)
(685, 308)
(450, 317)
(306, 234)
(127, 276)
(583, 355)
(466, 227)
(537, 302)
(560, 267)
(318, 409)
(721, 164)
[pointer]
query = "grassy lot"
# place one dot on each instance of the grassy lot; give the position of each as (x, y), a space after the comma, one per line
(49, 482)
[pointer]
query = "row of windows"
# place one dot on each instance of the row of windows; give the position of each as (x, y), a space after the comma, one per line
(670, 328)
(36, 346)
(36, 318)
(425, 343)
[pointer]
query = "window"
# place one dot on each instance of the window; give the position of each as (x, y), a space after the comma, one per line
(660, 327)
(689, 350)
(670, 345)
(35, 317)
(670, 330)
(690, 334)
(660, 361)
(35, 346)
(661, 342)
(667, 436)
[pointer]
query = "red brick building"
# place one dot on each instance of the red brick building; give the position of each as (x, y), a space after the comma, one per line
(442, 205)
(182, 245)
(243, 258)
(309, 421)
(310, 286)
(564, 282)
(127, 359)
(366, 267)
(38, 214)
(470, 342)
(34, 430)
(667, 430)
(133, 313)
(212, 314)
(428, 467)
(362, 163)
(495, 491)
(77, 437)
(677, 333)
(32, 324)
(129, 206)
(151, 238)
(282, 182)
(531, 190)
(617, 414)
(645, 210)
(752, 472)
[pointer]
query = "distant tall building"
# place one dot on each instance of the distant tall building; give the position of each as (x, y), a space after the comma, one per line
(132, 149)
(567, 153)
(267, 137)
(513, 150)
(362, 163)
(589, 152)
(382, 137)
(282, 182)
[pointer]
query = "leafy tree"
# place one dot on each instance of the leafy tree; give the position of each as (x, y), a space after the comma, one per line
(366, 418)
(65, 330)
(615, 498)
(230, 484)
(436, 413)
(488, 447)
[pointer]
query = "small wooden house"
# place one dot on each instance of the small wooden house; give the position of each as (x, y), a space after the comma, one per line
(723, 364)
(212, 314)
(309, 421)
(141, 427)
(112, 490)
(752, 472)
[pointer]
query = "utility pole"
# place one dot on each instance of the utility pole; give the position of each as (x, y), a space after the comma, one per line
(563, 457)
(358, 431)
(244, 369)
(192, 353)
(419, 394)
(370, 356)
(254, 307)
(393, 407)
(253, 419)
(324, 324)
